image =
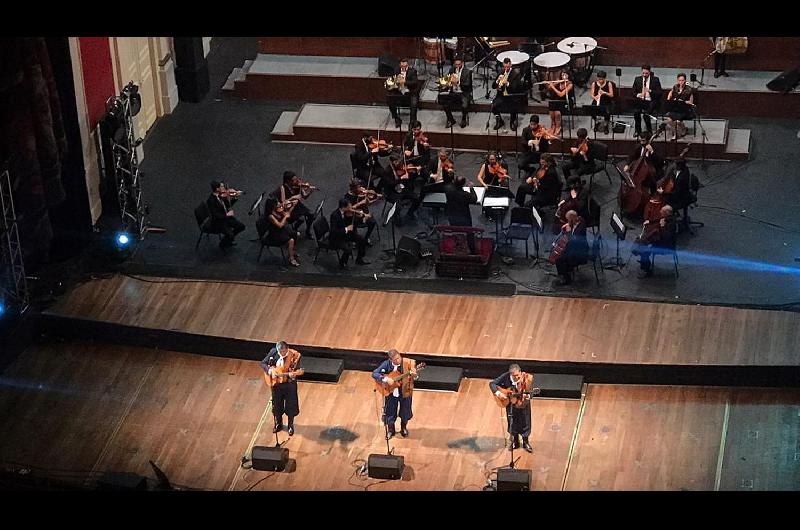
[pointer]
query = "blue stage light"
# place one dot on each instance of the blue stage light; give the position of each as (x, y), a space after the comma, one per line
(123, 239)
(2, 308)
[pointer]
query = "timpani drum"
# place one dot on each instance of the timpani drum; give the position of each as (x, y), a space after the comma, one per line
(549, 65)
(433, 50)
(581, 51)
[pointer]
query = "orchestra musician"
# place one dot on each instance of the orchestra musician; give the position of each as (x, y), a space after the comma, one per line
(563, 90)
(577, 199)
(644, 149)
(418, 151)
(660, 233)
(647, 89)
(441, 169)
(399, 185)
(508, 82)
(603, 93)
(360, 198)
(535, 141)
(457, 206)
(582, 156)
(577, 249)
(544, 186)
(343, 231)
(406, 84)
(493, 173)
(274, 228)
(366, 158)
(681, 196)
(460, 84)
(720, 46)
(282, 359)
(296, 190)
(680, 92)
(518, 415)
(220, 208)
(399, 402)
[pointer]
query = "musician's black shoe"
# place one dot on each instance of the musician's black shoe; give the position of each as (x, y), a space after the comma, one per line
(291, 430)
(527, 446)
(278, 428)
(404, 430)
(498, 122)
(362, 261)
(463, 122)
(390, 434)
(398, 122)
(513, 445)
(449, 123)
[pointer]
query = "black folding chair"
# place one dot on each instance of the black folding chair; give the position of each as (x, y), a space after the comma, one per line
(203, 218)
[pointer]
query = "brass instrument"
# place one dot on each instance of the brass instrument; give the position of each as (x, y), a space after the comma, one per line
(502, 82)
(390, 83)
(447, 81)
(396, 82)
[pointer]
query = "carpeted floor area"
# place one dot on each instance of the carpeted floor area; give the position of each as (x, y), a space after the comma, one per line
(745, 253)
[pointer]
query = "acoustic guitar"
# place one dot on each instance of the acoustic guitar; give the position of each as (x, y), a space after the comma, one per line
(281, 376)
(516, 399)
(396, 379)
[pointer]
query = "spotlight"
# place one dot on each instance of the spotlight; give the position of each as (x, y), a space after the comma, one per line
(122, 239)
(2, 308)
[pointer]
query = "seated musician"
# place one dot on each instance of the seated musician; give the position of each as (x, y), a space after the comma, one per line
(399, 186)
(441, 169)
(406, 84)
(274, 228)
(577, 250)
(544, 186)
(577, 199)
(399, 402)
(535, 141)
(658, 234)
(647, 89)
(681, 196)
(460, 84)
(282, 359)
(519, 414)
(418, 151)
(603, 93)
(564, 91)
(220, 208)
(298, 191)
(582, 156)
(680, 92)
(507, 83)
(343, 232)
(644, 148)
(493, 173)
(366, 155)
(360, 198)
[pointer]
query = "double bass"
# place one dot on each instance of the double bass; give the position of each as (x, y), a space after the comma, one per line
(632, 199)
(652, 210)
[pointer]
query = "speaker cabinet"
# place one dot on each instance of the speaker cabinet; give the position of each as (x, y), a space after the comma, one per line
(270, 458)
(509, 479)
(786, 82)
(409, 251)
(385, 466)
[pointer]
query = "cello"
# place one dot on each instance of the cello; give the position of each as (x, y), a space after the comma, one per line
(632, 199)
(652, 210)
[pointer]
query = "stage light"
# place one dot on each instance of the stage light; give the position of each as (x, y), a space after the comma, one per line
(122, 239)
(2, 308)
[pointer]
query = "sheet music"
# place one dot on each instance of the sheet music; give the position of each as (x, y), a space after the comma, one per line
(479, 191)
(434, 198)
(496, 202)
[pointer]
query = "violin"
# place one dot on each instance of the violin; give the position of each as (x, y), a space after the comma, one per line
(447, 165)
(498, 170)
(421, 138)
(369, 195)
(380, 145)
(231, 193)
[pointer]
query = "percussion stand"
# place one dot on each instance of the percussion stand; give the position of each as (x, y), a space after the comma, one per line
(703, 142)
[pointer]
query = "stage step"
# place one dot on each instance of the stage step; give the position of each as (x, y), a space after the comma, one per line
(230, 83)
(439, 378)
(559, 386)
(343, 124)
(738, 142)
(321, 370)
(283, 129)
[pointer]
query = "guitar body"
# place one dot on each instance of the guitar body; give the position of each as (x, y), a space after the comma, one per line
(397, 380)
(516, 399)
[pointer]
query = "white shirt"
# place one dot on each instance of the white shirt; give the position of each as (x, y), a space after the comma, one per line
(457, 88)
(396, 367)
(646, 84)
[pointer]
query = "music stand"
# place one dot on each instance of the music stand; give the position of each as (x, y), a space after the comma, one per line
(593, 111)
(389, 216)
(620, 229)
(499, 200)
(539, 228)
(257, 204)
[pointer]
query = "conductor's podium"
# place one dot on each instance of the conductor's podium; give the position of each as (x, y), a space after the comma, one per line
(457, 258)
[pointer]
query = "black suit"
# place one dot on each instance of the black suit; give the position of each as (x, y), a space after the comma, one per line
(367, 163)
(654, 158)
(220, 221)
(664, 238)
(548, 192)
(582, 166)
(577, 250)
(501, 102)
(641, 105)
(531, 155)
(339, 237)
(465, 84)
(458, 202)
(411, 98)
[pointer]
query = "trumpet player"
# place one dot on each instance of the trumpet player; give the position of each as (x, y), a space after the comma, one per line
(404, 83)
(647, 89)
(220, 208)
(507, 83)
(459, 83)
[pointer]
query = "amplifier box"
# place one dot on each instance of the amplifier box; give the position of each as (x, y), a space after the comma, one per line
(385, 466)
(270, 458)
(509, 479)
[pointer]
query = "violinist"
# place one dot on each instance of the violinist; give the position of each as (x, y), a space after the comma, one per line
(577, 248)
(582, 156)
(603, 93)
(441, 169)
(493, 172)
(275, 224)
(535, 141)
(680, 92)
(220, 208)
(360, 198)
(460, 84)
(282, 359)
(406, 84)
(544, 186)
(507, 83)
(366, 157)
(660, 233)
(417, 150)
(343, 231)
(647, 91)
(577, 199)
(644, 149)
(297, 191)
(563, 90)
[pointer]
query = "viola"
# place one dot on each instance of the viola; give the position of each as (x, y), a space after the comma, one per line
(498, 170)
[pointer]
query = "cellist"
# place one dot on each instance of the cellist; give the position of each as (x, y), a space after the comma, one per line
(644, 149)
(660, 233)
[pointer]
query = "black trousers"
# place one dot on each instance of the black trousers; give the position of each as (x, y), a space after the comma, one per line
(370, 224)
(519, 421)
(528, 159)
(643, 106)
(581, 167)
(284, 401)
(464, 107)
(719, 63)
(501, 104)
(361, 246)
(299, 214)
(229, 228)
(413, 102)
(539, 200)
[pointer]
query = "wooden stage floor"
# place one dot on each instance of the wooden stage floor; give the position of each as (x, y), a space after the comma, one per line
(79, 408)
(522, 327)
